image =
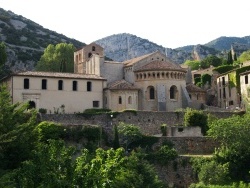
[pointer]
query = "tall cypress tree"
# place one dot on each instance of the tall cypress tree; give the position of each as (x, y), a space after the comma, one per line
(229, 58)
(116, 143)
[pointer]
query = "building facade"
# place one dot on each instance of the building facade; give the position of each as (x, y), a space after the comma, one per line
(57, 92)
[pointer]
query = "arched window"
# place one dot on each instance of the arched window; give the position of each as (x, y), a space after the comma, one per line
(93, 48)
(32, 104)
(173, 92)
(120, 100)
(151, 92)
(129, 100)
(89, 55)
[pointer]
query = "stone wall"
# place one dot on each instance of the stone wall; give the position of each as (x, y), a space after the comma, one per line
(177, 173)
(148, 122)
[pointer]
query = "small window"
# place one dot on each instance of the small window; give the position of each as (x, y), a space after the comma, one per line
(93, 48)
(26, 83)
(129, 100)
(89, 86)
(173, 92)
(44, 84)
(60, 85)
(95, 104)
(89, 55)
(74, 86)
(246, 79)
(151, 93)
(120, 100)
(231, 103)
(223, 81)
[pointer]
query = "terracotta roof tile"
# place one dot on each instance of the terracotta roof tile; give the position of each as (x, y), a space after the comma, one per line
(121, 84)
(134, 60)
(194, 88)
(58, 75)
(161, 65)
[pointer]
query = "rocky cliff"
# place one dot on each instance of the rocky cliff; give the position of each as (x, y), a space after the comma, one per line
(26, 40)
(121, 47)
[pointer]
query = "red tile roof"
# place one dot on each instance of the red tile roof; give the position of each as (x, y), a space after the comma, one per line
(58, 75)
(121, 84)
(194, 88)
(134, 60)
(161, 65)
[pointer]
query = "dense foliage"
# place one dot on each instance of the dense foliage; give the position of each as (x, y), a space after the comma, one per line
(211, 60)
(245, 56)
(58, 58)
(194, 65)
(196, 118)
(230, 163)
(34, 155)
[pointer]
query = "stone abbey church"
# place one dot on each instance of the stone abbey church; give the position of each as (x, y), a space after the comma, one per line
(149, 83)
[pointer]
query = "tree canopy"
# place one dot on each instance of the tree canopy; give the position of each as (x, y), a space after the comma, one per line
(59, 58)
(3, 54)
(211, 60)
(245, 56)
(194, 65)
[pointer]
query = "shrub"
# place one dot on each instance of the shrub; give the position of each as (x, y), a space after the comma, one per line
(164, 155)
(49, 130)
(164, 129)
(196, 118)
(43, 110)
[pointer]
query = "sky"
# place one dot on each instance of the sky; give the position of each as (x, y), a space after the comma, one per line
(170, 23)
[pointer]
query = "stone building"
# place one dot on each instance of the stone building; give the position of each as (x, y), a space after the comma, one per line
(57, 92)
(228, 94)
(149, 83)
(245, 89)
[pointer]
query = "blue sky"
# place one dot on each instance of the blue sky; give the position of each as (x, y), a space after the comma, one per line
(170, 23)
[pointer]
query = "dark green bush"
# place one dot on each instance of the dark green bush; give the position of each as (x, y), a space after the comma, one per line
(43, 110)
(224, 68)
(196, 118)
(49, 130)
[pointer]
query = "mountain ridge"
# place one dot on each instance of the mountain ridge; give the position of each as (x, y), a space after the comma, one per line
(26, 40)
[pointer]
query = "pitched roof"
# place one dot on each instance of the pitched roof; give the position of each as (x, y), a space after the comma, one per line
(194, 88)
(121, 85)
(58, 75)
(134, 60)
(161, 65)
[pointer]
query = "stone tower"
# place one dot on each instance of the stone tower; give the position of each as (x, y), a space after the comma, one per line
(84, 55)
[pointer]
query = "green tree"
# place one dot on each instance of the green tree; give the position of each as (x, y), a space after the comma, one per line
(51, 166)
(196, 118)
(233, 133)
(3, 55)
(49, 130)
(229, 58)
(59, 58)
(116, 143)
(128, 133)
(194, 65)
(245, 56)
(206, 78)
(17, 138)
(211, 60)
